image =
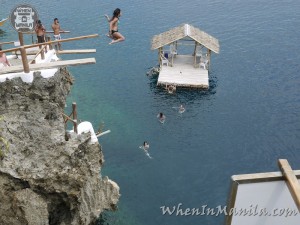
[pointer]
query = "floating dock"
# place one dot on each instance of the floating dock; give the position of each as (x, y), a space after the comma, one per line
(183, 74)
(178, 68)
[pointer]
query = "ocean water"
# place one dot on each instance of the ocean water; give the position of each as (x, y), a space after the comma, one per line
(249, 118)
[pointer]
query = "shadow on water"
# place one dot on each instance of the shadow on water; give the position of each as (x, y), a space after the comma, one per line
(110, 218)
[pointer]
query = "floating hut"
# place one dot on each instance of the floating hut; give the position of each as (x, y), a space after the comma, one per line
(180, 69)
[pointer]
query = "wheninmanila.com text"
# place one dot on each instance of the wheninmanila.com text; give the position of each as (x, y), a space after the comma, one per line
(204, 210)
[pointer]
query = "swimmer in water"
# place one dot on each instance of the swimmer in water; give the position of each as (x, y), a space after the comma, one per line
(161, 117)
(146, 146)
(181, 109)
(171, 89)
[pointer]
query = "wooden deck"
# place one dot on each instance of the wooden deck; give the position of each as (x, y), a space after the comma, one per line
(183, 73)
(40, 66)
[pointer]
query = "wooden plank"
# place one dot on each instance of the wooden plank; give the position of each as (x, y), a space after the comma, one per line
(79, 51)
(40, 66)
(291, 179)
(51, 42)
(261, 177)
(103, 133)
(47, 32)
(36, 55)
(5, 43)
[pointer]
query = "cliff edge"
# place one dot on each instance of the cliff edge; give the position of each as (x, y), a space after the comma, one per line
(45, 179)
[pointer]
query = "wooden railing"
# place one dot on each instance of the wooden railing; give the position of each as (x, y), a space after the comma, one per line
(74, 119)
(22, 48)
(40, 52)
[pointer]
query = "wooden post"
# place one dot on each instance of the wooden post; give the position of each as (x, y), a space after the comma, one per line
(159, 56)
(74, 111)
(21, 39)
(172, 55)
(291, 180)
(50, 46)
(24, 60)
(195, 57)
(42, 52)
(208, 57)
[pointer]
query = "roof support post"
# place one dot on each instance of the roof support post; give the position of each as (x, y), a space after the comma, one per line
(195, 57)
(208, 58)
(159, 56)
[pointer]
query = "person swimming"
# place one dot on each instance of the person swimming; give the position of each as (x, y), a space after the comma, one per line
(171, 89)
(181, 109)
(161, 117)
(146, 146)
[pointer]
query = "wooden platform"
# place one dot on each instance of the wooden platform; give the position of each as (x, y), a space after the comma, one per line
(74, 62)
(183, 74)
(79, 51)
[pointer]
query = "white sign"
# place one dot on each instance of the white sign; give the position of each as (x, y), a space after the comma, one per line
(23, 18)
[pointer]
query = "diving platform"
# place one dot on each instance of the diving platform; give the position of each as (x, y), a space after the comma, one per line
(183, 73)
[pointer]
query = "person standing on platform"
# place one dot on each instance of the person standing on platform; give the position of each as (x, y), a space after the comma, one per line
(56, 29)
(40, 32)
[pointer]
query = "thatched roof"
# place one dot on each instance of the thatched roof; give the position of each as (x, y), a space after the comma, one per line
(184, 31)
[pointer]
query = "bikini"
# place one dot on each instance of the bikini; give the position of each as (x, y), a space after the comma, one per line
(115, 31)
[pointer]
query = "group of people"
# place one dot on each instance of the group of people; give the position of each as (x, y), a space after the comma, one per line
(40, 31)
(161, 118)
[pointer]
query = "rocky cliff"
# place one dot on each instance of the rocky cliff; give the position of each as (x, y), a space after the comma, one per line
(45, 179)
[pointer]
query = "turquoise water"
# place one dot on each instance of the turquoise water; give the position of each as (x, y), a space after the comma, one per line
(246, 121)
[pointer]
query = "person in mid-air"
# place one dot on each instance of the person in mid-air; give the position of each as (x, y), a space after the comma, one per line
(113, 27)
